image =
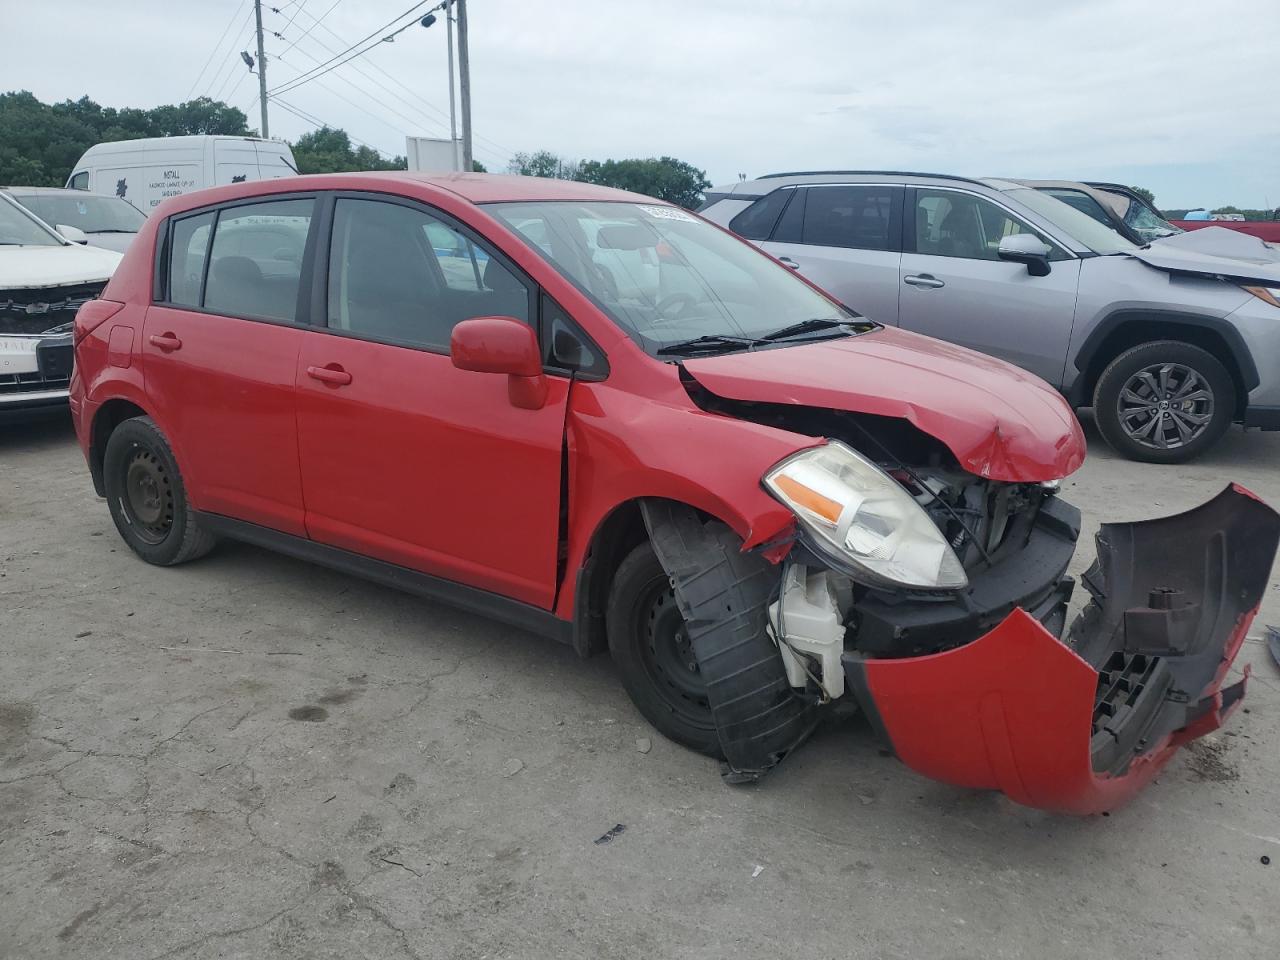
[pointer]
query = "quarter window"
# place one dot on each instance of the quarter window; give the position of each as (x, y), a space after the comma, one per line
(256, 259)
(756, 221)
(189, 246)
(848, 216)
(952, 224)
(80, 181)
(399, 274)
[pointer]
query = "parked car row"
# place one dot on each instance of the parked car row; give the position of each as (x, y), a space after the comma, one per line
(1167, 342)
(602, 418)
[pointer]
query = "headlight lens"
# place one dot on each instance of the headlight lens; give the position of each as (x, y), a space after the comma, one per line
(856, 510)
(1270, 294)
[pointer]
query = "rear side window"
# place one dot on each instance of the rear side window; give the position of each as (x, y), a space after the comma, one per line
(80, 181)
(849, 216)
(188, 249)
(256, 259)
(399, 274)
(757, 221)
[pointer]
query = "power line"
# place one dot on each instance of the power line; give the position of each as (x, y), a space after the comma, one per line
(232, 61)
(330, 65)
(315, 21)
(225, 30)
(313, 119)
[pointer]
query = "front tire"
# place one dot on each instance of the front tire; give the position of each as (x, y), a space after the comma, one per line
(147, 498)
(650, 646)
(1164, 402)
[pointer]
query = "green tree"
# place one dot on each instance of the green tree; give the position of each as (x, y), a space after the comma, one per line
(329, 150)
(666, 178)
(543, 163)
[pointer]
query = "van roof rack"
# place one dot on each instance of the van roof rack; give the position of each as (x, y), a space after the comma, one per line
(890, 173)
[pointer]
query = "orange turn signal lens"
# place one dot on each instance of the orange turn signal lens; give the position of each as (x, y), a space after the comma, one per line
(1264, 293)
(810, 499)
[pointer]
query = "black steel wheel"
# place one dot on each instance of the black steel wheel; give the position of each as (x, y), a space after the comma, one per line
(147, 498)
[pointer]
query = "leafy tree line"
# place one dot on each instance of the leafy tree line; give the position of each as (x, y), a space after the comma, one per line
(663, 177)
(40, 142)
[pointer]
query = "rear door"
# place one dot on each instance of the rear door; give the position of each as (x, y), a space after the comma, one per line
(220, 349)
(846, 238)
(955, 287)
(406, 458)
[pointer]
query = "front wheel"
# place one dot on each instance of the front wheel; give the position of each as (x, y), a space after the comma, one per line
(1164, 402)
(650, 645)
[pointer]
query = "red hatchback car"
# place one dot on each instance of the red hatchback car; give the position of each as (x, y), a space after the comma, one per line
(598, 417)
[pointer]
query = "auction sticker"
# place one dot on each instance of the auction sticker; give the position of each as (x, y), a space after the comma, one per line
(669, 213)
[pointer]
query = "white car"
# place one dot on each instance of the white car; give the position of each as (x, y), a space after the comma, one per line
(81, 217)
(44, 279)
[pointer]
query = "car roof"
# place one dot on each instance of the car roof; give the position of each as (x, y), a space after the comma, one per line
(1106, 198)
(34, 191)
(757, 187)
(470, 187)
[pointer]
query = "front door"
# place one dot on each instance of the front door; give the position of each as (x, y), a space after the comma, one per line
(219, 354)
(405, 457)
(955, 287)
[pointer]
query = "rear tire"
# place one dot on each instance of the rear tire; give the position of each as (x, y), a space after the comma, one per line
(650, 645)
(1164, 402)
(147, 498)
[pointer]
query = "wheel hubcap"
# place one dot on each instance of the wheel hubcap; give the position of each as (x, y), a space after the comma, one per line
(1165, 405)
(670, 656)
(148, 498)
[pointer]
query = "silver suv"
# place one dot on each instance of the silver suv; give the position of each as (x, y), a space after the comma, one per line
(1169, 345)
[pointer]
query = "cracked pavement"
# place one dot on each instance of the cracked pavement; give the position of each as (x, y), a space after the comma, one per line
(251, 757)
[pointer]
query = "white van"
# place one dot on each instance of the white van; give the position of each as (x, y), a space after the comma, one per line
(145, 172)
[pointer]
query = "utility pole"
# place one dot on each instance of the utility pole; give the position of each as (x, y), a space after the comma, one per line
(448, 23)
(262, 69)
(464, 82)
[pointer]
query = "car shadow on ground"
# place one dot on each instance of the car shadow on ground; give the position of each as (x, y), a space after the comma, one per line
(46, 431)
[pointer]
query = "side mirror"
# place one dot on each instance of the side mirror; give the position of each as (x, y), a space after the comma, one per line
(1026, 248)
(74, 234)
(502, 345)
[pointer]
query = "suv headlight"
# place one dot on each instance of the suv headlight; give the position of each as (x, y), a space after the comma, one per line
(862, 516)
(1270, 294)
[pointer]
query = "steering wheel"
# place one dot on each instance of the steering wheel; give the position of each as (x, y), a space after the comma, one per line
(680, 300)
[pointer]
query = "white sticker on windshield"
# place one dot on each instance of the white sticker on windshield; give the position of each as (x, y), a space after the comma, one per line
(668, 213)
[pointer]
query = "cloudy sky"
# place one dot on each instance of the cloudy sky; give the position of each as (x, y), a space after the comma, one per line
(1180, 96)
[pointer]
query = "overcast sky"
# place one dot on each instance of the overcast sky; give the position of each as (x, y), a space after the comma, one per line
(1180, 96)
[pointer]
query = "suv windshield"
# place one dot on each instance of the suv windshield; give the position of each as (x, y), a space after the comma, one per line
(17, 228)
(1079, 226)
(1146, 223)
(90, 214)
(668, 278)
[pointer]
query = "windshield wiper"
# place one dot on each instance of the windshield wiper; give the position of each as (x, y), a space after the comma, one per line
(113, 230)
(807, 326)
(710, 341)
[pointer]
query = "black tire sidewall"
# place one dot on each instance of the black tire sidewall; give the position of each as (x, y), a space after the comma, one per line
(129, 435)
(1124, 366)
(635, 579)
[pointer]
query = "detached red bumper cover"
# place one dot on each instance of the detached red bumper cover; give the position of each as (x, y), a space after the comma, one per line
(1081, 725)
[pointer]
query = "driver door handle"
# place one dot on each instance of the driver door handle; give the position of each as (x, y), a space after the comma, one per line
(165, 341)
(923, 280)
(789, 262)
(333, 374)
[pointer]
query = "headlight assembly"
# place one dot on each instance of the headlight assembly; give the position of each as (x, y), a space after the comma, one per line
(858, 514)
(1270, 294)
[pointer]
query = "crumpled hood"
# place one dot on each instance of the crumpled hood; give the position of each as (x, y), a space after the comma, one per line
(999, 421)
(1215, 252)
(31, 268)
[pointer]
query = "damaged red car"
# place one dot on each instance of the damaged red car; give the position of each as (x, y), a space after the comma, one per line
(596, 416)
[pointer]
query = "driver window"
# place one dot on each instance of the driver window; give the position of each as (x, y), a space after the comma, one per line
(188, 249)
(951, 224)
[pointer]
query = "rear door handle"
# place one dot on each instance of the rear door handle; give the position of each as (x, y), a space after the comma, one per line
(333, 374)
(923, 280)
(165, 341)
(789, 262)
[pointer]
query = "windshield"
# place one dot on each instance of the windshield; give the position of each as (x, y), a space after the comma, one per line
(17, 228)
(1079, 226)
(90, 214)
(666, 277)
(1146, 223)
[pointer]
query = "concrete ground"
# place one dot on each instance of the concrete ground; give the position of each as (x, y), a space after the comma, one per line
(253, 757)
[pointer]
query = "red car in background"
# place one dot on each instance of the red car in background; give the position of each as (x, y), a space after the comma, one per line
(598, 417)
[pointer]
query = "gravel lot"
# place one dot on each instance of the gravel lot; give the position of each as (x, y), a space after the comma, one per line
(253, 757)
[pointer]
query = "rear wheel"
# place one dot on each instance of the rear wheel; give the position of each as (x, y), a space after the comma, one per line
(1164, 402)
(650, 645)
(146, 496)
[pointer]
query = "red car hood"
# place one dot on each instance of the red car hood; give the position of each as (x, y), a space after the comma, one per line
(999, 421)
